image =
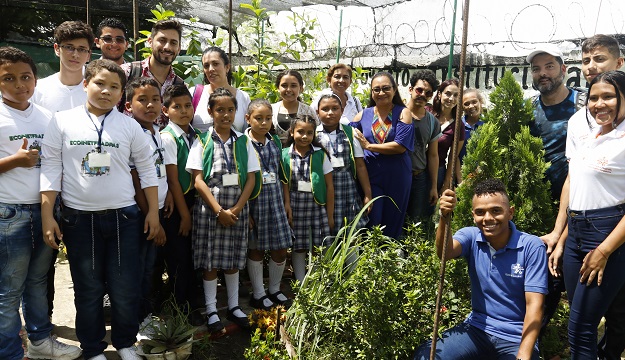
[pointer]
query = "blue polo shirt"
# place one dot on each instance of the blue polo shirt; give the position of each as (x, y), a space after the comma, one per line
(499, 281)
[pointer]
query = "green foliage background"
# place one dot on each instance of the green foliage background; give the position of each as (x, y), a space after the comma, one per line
(503, 148)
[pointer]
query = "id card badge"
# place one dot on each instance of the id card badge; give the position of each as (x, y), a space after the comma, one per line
(99, 160)
(269, 178)
(304, 186)
(160, 169)
(337, 162)
(230, 179)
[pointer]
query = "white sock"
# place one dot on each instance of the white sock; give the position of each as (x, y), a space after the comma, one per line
(275, 277)
(232, 287)
(298, 260)
(255, 270)
(210, 299)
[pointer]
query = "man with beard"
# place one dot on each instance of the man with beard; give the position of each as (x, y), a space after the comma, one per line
(553, 107)
(423, 192)
(165, 44)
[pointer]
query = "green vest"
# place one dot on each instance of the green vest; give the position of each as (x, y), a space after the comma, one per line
(349, 131)
(239, 151)
(184, 177)
(316, 173)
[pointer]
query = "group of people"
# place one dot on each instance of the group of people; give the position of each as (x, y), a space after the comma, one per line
(132, 169)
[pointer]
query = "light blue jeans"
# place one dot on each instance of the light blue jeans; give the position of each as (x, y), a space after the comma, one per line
(24, 263)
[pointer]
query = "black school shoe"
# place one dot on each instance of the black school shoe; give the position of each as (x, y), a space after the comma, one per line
(274, 298)
(260, 303)
(242, 322)
(216, 328)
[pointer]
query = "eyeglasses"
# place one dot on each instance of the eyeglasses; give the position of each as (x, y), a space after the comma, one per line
(70, 49)
(428, 93)
(384, 89)
(110, 39)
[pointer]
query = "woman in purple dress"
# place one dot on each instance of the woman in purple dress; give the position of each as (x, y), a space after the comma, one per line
(386, 135)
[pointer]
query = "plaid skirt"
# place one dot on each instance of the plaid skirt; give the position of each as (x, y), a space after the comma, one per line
(310, 220)
(347, 202)
(216, 246)
(271, 226)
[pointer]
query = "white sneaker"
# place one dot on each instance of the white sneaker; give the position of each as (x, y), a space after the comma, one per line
(129, 353)
(53, 349)
(99, 357)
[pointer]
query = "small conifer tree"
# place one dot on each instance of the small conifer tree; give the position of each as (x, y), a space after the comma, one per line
(503, 148)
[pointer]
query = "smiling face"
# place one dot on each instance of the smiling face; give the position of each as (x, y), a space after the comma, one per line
(113, 44)
(165, 46)
(145, 105)
(449, 96)
(599, 60)
(73, 54)
(215, 70)
(17, 84)
(104, 90)
(329, 111)
(491, 213)
(471, 105)
(289, 88)
(223, 114)
(603, 104)
(547, 73)
(260, 120)
(303, 134)
(382, 91)
(340, 81)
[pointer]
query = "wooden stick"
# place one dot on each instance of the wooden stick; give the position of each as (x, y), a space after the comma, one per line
(454, 149)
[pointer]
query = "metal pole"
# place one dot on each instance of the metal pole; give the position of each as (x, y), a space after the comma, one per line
(452, 41)
(135, 27)
(338, 47)
(454, 149)
(88, 17)
(230, 33)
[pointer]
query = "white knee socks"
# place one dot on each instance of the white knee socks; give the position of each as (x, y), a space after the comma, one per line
(210, 299)
(298, 259)
(232, 286)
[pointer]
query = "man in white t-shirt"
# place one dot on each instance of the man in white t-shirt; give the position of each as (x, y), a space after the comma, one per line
(63, 90)
(600, 53)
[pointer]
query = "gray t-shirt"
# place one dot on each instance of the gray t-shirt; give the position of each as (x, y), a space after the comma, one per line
(427, 129)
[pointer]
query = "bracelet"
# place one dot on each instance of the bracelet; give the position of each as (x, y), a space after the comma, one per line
(602, 254)
(219, 212)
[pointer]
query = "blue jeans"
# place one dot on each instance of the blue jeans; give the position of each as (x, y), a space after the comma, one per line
(419, 207)
(24, 260)
(467, 342)
(103, 253)
(587, 229)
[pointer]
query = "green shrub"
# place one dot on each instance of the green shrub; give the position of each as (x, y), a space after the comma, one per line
(382, 306)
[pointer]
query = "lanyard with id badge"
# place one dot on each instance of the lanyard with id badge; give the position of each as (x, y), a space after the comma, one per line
(305, 186)
(228, 179)
(269, 177)
(337, 162)
(160, 168)
(99, 159)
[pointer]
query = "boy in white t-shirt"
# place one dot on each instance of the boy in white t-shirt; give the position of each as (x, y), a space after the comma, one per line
(25, 257)
(86, 152)
(144, 103)
(63, 90)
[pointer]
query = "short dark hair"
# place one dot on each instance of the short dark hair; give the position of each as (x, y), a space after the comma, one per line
(11, 55)
(112, 23)
(330, 96)
(173, 91)
(168, 24)
(138, 83)
(490, 186)
(72, 30)
(606, 41)
(96, 66)
(219, 93)
(426, 75)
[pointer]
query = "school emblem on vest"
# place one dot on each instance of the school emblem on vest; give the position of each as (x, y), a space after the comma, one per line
(516, 270)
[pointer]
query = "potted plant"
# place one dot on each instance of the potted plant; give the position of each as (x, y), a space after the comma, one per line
(170, 336)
